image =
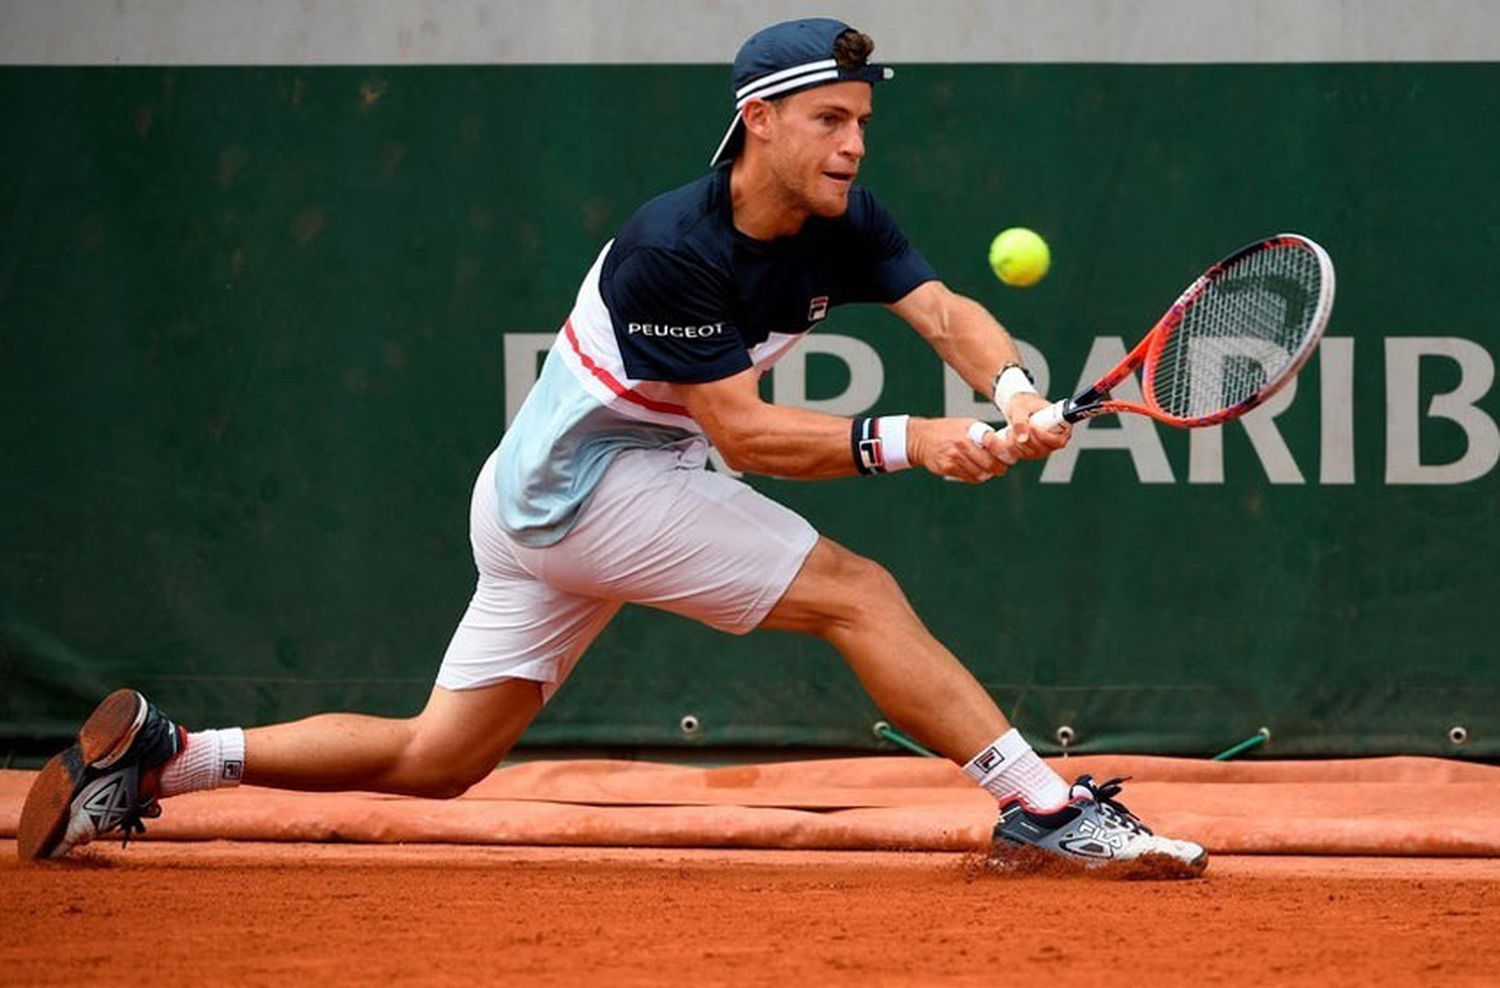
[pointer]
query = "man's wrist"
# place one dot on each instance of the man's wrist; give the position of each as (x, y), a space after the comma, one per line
(879, 444)
(1012, 380)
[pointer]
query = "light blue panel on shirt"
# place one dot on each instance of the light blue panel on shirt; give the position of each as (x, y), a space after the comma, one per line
(553, 454)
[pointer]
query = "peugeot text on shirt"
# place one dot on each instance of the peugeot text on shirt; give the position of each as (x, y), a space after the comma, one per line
(681, 332)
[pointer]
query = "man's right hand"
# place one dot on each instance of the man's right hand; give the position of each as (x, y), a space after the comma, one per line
(943, 447)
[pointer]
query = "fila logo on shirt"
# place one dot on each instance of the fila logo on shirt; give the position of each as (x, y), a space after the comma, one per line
(817, 308)
(679, 332)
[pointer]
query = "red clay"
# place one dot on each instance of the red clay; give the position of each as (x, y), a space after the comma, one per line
(435, 914)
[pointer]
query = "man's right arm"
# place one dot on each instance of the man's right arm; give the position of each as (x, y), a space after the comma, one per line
(705, 359)
(756, 436)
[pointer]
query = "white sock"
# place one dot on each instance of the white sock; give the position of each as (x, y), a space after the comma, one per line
(1007, 768)
(209, 760)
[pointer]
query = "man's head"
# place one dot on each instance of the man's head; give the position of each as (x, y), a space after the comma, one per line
(812, 143)
(802, 99)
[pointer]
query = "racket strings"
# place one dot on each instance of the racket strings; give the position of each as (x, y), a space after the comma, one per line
(1241, 334)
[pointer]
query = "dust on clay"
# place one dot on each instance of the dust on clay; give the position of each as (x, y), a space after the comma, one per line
(1034, 862)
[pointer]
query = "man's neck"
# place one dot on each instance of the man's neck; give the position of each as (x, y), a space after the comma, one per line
(761, 206)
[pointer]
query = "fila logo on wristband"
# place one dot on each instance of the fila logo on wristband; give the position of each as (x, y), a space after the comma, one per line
(878, 445)
(869, 450)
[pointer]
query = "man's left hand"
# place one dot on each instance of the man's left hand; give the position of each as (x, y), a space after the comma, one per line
(1025, 442)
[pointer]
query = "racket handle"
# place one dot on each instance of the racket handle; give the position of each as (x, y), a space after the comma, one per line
(1049, 419)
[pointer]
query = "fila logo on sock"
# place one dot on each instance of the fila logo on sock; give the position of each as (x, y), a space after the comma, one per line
(233, 769)
(988, 759)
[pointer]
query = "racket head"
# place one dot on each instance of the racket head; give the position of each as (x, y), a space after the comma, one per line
(1239, 333)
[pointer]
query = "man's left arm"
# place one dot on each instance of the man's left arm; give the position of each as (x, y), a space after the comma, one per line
(974, 344)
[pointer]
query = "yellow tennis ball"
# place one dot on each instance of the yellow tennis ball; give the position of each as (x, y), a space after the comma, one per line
(1019, 257)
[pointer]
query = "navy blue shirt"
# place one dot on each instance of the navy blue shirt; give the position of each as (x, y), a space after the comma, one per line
(689, 294)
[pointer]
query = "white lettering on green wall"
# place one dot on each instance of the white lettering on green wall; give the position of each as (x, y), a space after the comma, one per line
(1407, 421)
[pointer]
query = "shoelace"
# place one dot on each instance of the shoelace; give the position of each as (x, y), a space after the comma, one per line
(1104, 794)
(132, 823)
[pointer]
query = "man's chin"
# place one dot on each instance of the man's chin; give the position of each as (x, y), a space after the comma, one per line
(831, 206)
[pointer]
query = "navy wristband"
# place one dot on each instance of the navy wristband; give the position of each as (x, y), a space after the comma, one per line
(866, 446)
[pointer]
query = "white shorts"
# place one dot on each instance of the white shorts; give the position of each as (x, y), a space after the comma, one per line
(659, 530)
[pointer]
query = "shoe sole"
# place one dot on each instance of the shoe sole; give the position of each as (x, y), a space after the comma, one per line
(102, 740)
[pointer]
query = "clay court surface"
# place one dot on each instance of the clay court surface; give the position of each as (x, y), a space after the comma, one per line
(250, 913)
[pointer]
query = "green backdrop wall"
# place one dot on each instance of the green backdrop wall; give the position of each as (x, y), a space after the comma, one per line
(252, 327)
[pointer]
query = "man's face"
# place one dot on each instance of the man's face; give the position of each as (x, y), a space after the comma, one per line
(817, 141)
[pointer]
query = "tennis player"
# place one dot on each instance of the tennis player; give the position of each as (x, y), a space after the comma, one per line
(598, 493)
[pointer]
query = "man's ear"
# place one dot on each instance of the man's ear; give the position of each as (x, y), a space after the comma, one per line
(757, 118)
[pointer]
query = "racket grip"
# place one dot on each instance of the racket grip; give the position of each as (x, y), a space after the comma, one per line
(1049, 419)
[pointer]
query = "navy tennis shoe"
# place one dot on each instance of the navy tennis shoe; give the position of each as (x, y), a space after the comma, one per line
(104, 784)
(1092, 829)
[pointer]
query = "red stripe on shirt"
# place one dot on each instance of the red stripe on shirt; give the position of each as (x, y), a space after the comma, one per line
(614, 385)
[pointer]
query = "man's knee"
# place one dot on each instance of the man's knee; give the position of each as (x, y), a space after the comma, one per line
(433, 769)
(462, 734)
(434, 778)
(872, 584)
(440, 784)
(856, 590)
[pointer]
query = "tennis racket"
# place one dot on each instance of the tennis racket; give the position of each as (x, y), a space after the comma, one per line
(1229, 342)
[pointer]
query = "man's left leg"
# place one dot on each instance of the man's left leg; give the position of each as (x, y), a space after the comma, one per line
(855, 605)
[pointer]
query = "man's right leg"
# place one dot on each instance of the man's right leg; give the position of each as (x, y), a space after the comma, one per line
(454, 742)
(517, 642)
(128, 755)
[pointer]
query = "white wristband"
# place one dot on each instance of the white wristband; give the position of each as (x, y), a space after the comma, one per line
(1011, 382)
(892, 431)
